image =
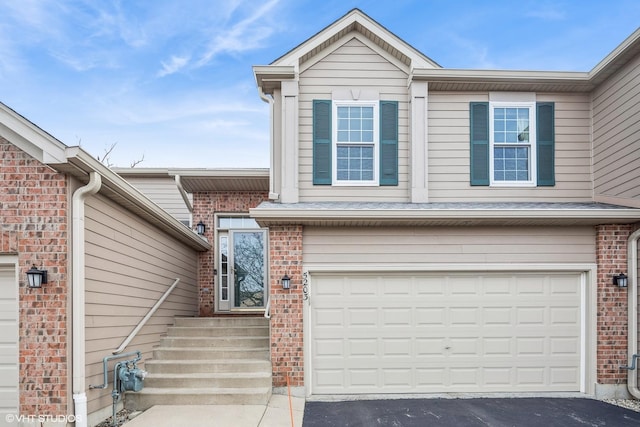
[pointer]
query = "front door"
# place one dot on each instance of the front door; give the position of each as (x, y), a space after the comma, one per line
(248, 268)
(242, 272)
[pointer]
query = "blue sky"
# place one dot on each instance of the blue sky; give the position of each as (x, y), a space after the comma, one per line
(171, 80)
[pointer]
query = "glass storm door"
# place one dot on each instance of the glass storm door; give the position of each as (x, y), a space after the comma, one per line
(243, 270)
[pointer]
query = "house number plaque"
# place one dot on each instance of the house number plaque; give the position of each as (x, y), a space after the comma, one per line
(305, 286)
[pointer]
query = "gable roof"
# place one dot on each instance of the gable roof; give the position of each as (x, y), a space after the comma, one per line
(76, 162)
(288, 65)
(422, 68)
(356, 20)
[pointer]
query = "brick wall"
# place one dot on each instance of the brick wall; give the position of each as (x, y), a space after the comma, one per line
(33, 202)
(205, 205)
(285, 254)
(611, 257)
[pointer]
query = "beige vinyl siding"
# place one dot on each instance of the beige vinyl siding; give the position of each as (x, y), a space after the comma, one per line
(354, 65)
(448, 116)
(616, 135)
(448, 245)
(129, 265)
(163, 192)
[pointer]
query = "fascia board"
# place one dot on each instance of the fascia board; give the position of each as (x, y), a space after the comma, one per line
(86, 163)
(221, 172)
(30, 138)
(445, 214)
(615, 54)
(292, 57)
(273, 73)
(500, 76)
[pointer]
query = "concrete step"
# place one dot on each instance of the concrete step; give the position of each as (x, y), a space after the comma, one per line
(208, 361)
(216, 342)
(218, 331)
(200, 380)
(207, 366)
(221, 321)
(150, 396)
(205, 353)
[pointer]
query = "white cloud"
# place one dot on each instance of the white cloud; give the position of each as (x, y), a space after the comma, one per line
(174, 65)
(244, 35)
(221, 33)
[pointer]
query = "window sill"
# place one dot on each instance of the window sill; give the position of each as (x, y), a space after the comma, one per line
(513, 184)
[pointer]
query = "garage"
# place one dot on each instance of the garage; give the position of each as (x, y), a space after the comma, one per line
(454, 332)
(8, 341)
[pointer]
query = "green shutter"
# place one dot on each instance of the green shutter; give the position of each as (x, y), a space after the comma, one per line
(479, 113)
(388, 143)
(321, 142)
(545, 145)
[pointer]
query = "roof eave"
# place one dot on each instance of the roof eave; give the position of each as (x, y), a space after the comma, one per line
(79, 164)
(435, 217)
(270, 77)
(623, 53)
(196, 180)
(348, 21)
(497, 79)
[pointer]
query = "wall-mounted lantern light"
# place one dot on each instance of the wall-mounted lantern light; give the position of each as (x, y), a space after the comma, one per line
(621, 280)
(286, 282)
(201, 228)
(36, 278)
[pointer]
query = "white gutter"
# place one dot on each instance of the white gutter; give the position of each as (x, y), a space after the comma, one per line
(77, 308)
(183, 193)
(269, 100)
(632, 327)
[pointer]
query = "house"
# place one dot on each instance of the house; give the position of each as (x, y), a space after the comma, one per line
(110, 253)
(446, 231)
(419, 230)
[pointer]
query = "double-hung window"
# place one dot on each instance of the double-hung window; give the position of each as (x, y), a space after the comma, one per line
(355, 142)
(512, 144)
(356, 147)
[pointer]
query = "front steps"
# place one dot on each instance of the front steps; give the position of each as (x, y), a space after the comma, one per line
(208, 361)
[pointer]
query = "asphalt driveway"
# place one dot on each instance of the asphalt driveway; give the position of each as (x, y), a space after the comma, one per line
(515, 412)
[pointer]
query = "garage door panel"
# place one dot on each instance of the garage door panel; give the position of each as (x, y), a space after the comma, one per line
(446, 333)
(8, 341)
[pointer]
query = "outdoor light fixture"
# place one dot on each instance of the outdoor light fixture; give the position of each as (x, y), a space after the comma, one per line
(36, 277)
(621, 280)
(286, 282)
(201, 228)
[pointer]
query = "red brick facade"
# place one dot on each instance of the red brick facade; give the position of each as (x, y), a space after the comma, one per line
(34, 225)
(287, 352)
(611, 256)
(205, 205)
(285, 257)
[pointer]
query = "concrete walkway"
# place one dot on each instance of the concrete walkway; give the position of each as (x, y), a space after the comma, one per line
(275, 414)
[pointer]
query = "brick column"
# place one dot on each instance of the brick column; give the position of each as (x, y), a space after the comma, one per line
(611, 257)
(34, 225)
(285, 256)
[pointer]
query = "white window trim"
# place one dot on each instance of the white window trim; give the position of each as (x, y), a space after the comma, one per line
(334, 145)
(533, 181)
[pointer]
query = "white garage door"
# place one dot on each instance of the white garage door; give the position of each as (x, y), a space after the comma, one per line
(427, 333)
(8, 343)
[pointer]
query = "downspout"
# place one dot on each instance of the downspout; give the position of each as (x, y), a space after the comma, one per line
(77, 308)
(269, 100)
(183, 193)
(632, 327)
